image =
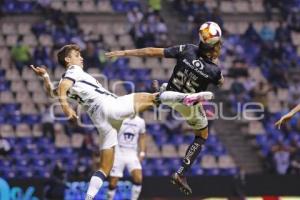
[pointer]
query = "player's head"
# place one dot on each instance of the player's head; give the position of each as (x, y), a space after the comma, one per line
(210, 40)
(70, 55)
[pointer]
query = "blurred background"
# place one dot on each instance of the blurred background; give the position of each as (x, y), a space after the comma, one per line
(42, 156)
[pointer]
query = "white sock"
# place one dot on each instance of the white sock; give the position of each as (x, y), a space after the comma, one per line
(95, 184)
(171, 96)
(111, 194)
(135, 191)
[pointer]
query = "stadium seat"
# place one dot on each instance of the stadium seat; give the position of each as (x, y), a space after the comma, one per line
(73, 6)
(23, 130)
(11, 40)
(257, 6)
(104, 6)
(30, 40)
(7, 130)
(8, 29)
(17, 85)
(169, 151)
(12, 74)
(28, 108)
(77, 140)
(255, 128)
(209, 165)
(56, 4)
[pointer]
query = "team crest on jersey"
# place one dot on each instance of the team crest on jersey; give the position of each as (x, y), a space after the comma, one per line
(198, 63)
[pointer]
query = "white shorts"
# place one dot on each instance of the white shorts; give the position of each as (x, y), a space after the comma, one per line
(195, 115)
(107, 114)
(125, 158)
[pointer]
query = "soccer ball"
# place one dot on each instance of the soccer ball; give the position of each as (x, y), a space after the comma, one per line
(210, 33)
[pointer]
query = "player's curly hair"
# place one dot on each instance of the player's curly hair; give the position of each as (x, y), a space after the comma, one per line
(65, 52)
(210, 52)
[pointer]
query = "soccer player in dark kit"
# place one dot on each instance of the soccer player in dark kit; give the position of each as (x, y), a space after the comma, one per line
(195, 69)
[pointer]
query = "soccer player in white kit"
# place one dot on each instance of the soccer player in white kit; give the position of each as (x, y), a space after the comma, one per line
(128, 154)
(106, 109)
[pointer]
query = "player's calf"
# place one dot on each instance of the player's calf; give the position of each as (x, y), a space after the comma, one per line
(192, 152)
(137, 179)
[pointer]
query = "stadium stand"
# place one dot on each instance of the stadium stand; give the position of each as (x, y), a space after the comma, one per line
(22, 98)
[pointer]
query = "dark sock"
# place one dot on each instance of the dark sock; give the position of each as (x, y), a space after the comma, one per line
(191, 154)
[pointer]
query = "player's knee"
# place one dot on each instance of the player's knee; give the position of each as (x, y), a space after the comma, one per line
(200, 140)
(203, 133)
(112, 183)
(112, 186)
(137, 179)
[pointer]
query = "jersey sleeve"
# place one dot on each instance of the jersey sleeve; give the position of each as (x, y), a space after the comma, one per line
(217, 77)
(72, 74)
(174, 51)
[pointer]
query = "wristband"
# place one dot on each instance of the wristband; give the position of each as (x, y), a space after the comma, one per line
(142, 154)
(46, 75)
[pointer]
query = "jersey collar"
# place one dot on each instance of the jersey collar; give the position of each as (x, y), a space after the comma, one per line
(74, 66)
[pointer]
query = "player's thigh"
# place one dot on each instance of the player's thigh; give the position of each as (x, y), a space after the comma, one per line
(106, 160)
(119, 108)
(108, 136)
(143, 101)
(134, 165)
(137, 175)
(118, 166)
(194, 115)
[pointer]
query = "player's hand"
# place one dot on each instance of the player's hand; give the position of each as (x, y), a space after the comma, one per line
(40, 71)
(142, 156)
(72, 116)
(283, 119)
(114, 54)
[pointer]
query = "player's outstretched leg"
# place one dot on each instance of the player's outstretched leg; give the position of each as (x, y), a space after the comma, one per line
(191, 154)
(112, 186)
(180, 180)
(96, 182)
(143, 101)
(185, 99)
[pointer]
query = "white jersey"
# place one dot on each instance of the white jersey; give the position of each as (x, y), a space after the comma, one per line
(129, 132)
(86, 88)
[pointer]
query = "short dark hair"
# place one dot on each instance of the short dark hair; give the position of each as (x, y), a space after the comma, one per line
(65, 51)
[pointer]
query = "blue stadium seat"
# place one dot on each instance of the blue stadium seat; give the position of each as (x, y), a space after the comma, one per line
(26, 7)
(2, 118)
(11, 107)
(9, 7)
(211, 171)
(31, 119)
(228, 172)
(23, 172)
(147, 171)
(196, 170)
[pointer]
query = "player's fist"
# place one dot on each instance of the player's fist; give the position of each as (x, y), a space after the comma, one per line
(142, 156)
(71, 115)
(114, 54)
(283, 119)
(40, 71)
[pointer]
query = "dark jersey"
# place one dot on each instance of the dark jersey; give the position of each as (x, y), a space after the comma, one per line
(191, 73)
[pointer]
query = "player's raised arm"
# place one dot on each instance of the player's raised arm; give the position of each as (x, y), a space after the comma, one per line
(42, 72)
(63, 87)
(287, 116)
(142, 146)
(144, 52)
